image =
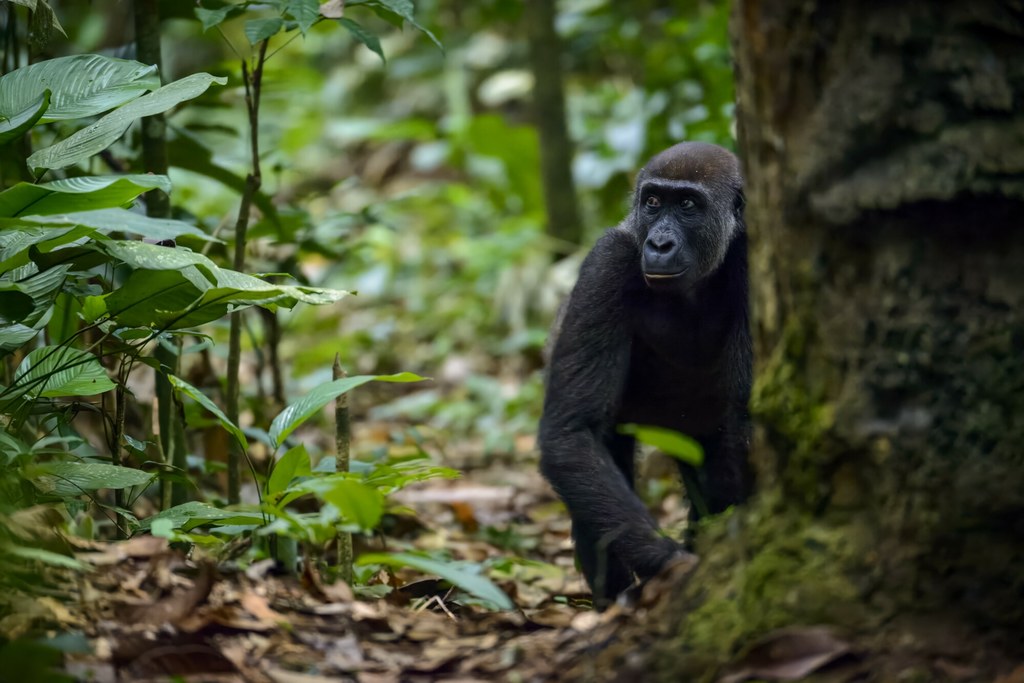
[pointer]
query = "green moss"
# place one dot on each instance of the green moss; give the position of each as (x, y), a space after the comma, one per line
(763, 569)
(797, 418)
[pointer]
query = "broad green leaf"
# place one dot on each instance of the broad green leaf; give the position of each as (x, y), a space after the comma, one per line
(143, 256)
(64, 478)
(289, 419)
(227, 286)
(241, 287)
(203, 400)
(42, 555)
(98, 136)
(53, 371)
(358, 503)
(456, 574)
(305, 12)
(159, 300)
(42, 23)
(363, 36)
(193, 514)
(10, 447)
(162, 528)
(106, 221)
(12, 336)
(215, 17)
(16, 124)
(261, 29)
(66, 318)
(294, 463)
(169, 291)
(43, 288)
(16, 242)
(668, 441)
(77, 194)
(396, 11)
(81, 86)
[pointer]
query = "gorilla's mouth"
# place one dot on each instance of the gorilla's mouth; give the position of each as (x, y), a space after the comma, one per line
(653, 278)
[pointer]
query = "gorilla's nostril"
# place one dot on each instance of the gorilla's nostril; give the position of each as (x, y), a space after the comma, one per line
(661, 244)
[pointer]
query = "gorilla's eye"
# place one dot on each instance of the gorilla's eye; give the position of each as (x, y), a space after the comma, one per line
(687, 204)
(653, 201)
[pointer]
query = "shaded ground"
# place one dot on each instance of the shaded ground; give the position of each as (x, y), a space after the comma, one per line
(149, 613)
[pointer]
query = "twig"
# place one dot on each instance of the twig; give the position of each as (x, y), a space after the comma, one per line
(252, 80)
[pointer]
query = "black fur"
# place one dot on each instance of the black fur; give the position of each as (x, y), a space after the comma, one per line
(655, 332)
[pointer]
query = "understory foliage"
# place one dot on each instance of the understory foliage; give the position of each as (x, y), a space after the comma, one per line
(392, 167)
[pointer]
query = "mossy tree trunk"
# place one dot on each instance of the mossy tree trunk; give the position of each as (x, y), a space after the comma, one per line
(884, 155)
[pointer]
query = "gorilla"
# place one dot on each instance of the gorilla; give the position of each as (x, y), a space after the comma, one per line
(655, 332)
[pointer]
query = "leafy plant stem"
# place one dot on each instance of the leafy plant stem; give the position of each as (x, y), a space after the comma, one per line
(252, 79)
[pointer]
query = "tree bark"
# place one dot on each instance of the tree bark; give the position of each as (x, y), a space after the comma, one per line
(556, 149)
(884, 154)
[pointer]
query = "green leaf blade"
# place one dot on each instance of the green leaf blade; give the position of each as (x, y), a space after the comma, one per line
(80, 86)
(77, 194)
(72, 478)
(98, 136)
(294, 415)
(294, 463)
(363, 36)
(358, 503)
(472, 583)
(16, 125)
(304, 12)
(54, 371)
(215, 17)
(668, 441)
(106, 221)
(257, 30)
(203, 400)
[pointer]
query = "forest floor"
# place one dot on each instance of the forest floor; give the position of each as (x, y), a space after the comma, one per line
(151, 613)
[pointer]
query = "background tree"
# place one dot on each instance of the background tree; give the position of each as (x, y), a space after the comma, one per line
(884, 153)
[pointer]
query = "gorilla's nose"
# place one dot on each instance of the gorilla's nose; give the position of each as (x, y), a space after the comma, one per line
(660, 244)
(663, 255)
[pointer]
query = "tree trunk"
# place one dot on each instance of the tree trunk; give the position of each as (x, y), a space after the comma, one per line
(884, 154)
(556, 149)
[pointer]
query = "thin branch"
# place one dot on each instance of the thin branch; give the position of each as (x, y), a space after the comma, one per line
(253, 82)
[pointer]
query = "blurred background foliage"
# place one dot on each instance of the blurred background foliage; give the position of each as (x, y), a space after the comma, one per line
(415, 182)
(410, 174)
(392, 167)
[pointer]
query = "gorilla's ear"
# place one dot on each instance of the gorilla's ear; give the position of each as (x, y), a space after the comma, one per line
(739, 203)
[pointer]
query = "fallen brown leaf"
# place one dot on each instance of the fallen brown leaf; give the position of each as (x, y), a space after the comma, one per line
(788, 655)
(257, 606)
(332, 9)
(174, 607)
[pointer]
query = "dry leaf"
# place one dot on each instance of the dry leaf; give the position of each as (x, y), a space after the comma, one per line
(332, 9)
(789, 655)
(175, 607)
(257, 606)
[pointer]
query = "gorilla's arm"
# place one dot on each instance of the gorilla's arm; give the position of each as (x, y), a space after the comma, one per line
(588, 372)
